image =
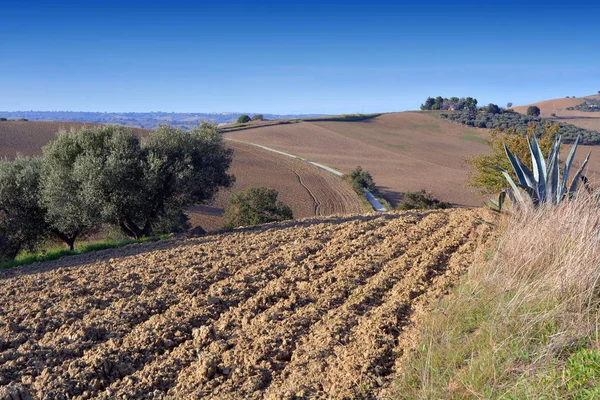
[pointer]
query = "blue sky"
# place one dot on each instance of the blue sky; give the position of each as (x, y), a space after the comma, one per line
(291, 57)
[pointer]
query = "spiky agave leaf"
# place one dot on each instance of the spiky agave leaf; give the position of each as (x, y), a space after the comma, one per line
(578, 175)
(569, 162)
(552, 173)
(515, 189)
(539, 167)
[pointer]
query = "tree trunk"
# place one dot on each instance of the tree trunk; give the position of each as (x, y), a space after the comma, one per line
(69, 240)
(131, 229)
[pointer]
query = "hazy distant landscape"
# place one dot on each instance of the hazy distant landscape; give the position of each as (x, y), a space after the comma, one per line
(146, 120)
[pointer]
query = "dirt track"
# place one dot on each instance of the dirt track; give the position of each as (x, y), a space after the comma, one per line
(293, 310)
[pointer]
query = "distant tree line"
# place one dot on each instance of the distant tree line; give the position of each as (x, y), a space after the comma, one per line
(453, 104)
(494, 117)
(108, 175)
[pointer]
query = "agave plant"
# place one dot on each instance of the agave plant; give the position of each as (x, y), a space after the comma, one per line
(544, 184)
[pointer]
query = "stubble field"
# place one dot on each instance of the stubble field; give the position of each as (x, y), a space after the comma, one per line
(291, 310)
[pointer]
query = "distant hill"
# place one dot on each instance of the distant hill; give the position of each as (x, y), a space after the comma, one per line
(566, 110)
(145, 120)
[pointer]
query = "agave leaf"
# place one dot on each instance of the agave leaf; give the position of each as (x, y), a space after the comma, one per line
(575, 181)
(567, 169)
(512, 198)
(552, 183)
(523, 173)
(539, 167)
(498, 204)
(512, 184)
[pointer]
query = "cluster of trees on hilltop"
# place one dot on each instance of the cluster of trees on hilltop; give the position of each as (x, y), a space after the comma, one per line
(589, 105)
(453, 103)
(98, 175)
(494, 117)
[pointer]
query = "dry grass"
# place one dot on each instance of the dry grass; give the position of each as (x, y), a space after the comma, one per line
(522, 324)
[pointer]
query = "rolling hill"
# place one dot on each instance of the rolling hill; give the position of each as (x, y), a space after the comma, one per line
(404, 152)
(583, 119)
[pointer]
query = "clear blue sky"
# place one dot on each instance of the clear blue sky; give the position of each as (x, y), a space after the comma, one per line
(292, 57)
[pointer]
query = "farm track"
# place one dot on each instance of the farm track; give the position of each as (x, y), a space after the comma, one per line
(311, 308)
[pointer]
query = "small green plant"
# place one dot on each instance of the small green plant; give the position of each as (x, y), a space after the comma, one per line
(254, 206)
(421, 200)
(242, 119)
(360, 180)
(257, 117)
(544, 184)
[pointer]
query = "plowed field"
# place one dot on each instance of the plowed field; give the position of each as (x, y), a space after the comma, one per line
(313, 308)
(404, 152)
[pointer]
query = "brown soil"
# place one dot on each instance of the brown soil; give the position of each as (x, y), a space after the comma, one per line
(403, 151)
(308, 190)
(587, 120)
(28, 137)
(294, 310)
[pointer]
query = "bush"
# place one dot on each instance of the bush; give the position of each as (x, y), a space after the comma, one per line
(22, 224)
(3, 119)
(255, 205)
(488, 180)
(257, 117)
(533, 111)
(361, 180)
(243, 119)
(420, 200)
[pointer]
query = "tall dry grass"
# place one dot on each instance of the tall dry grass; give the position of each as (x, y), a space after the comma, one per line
(525, 322)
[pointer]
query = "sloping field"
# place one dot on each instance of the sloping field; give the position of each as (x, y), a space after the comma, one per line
(28, 137)
(587, 120)
(291, 310)
(403, 151)
(308, 190)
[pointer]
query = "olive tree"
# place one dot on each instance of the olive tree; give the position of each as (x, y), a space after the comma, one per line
(242, 119)
(533, 111)
(22, 223)
(180, 169)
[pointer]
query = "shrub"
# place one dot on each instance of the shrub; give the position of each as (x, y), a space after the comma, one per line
(361, 180)
(257, 117)
(243, 119)
(488, 180)
(22, 223)
(533, 111)
(420, 200)
(3, 119)
(23, 119)
(255, 205)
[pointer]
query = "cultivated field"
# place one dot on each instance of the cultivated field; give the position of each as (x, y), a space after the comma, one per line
(308, 190)
(587, 120)
(291, 310)
(403, 151)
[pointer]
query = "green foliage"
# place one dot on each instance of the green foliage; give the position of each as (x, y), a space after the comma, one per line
(257, 117)
(492, 109)
(360, 180)
(508, 119)
(420, 200)
(484, 177)
(588, 105)
(53, 253)
(543, 183)
(255, 205)
(243, 119)
(533, 111)
(22, 223)
(3, 119)
(105, 174)
(582, 373)
(70, 178)
(453, 103)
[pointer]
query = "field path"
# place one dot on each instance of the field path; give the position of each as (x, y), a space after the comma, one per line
(299, 309)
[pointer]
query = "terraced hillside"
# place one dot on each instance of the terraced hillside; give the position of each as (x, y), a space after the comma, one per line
(406, 151)
(308, 308)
